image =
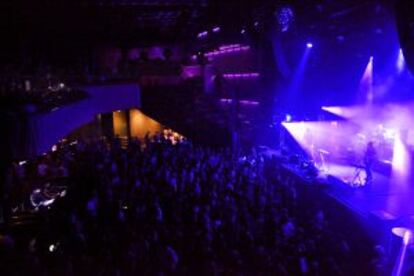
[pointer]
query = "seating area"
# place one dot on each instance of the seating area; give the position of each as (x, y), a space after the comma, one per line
(38, 92)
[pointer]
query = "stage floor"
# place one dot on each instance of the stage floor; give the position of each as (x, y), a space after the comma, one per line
(389, 198)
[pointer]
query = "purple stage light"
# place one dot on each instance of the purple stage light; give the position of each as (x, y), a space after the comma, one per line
(401, 161)
(403, 233)
(225, 49)
(226, 100)
(202, 34)
(366, 85)
(288, 118)
(337, 110)
(247, 102)
(311, 135)
(299, 73)
(230, 46)
(243, 102)
(400, 61)
(216, 29)
(340, 38)
(191, 71)
(241, 75)
(406, 235)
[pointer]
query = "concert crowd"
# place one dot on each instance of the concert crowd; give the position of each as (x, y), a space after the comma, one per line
(164, 207)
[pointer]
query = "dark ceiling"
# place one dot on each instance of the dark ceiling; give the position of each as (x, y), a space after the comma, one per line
(155, 20)
(103, 20)
(50, 24)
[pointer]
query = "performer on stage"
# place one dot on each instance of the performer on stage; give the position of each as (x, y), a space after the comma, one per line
(369, 159)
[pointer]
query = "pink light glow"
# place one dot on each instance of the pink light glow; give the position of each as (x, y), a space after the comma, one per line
(226, 100)
(216, 29)
(202, 34)
(230, 46)
(246, 102)
(226, 49)
(191, 71)
(241, 75)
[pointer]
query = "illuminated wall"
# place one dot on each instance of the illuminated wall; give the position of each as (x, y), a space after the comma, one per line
(48, 128)
(120, 123)
(141, 124)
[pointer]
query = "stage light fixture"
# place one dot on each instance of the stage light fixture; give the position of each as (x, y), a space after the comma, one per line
(309, 45)
(400, 61)
(216, 29)
(288, 118)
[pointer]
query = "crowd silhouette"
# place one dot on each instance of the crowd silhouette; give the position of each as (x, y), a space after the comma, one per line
(165, 207)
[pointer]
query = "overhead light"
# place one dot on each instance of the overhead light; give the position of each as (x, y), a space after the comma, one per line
(216, 29)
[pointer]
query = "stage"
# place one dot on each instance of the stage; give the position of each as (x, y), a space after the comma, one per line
(388, 198)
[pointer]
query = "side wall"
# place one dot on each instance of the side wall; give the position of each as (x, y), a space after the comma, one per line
(46, 129)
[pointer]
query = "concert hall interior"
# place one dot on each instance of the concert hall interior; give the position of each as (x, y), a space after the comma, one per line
(181, 137)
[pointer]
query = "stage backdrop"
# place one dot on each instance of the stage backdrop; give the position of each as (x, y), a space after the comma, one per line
(46, 129)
